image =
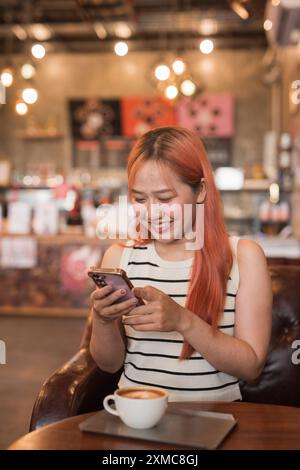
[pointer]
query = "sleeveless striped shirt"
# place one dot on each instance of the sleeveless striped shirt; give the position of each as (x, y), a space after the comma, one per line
(152, 356)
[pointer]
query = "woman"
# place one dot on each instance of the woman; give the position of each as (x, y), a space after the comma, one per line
(207, 316)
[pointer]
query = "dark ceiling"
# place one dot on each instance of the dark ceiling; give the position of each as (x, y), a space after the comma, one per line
(92, 25)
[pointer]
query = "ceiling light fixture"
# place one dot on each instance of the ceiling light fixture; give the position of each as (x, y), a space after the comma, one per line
(38, 51)
(178, 66)
(40, 32)
(206, 46)
(21, 108)
(19, 32)
(30, 95)
(208, 26)
(27, 71)
(100, 30)
(188, 87)
(240, 9)
(7, 77)
(268, 25)
(171, 92)
(121, 48)
(162, 72)
(122, 30)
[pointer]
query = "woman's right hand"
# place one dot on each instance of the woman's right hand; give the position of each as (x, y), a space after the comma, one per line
(103, 306)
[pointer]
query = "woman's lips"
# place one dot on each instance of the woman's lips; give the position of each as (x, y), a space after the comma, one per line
(161, 226)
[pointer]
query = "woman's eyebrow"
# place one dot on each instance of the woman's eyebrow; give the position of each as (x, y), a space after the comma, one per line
(167, 190)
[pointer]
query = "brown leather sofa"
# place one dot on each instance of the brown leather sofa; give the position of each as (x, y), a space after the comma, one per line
(80, 386)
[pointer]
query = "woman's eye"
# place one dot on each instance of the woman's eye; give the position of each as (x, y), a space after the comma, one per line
(140, 201)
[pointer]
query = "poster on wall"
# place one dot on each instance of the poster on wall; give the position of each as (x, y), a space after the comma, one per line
(139, 115)
(211, 116)
(94, 117)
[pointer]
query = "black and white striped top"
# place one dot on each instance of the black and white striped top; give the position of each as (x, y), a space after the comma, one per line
(152, 357)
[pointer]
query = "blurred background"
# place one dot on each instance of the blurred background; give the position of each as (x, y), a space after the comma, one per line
(80, 80)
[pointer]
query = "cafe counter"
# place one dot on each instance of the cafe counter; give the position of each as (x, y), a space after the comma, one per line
(47, 275)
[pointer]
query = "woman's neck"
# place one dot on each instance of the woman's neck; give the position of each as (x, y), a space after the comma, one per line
(173, 251)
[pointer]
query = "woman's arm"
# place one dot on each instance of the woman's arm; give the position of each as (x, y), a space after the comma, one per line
(243, 355)
(107, 345)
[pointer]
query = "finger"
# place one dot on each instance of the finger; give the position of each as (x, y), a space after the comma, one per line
(137, 319)
(117, 316)
(117, 309)
(112, 298)
(142, 310)
(101, 292)
(147, 292)
(147, 327)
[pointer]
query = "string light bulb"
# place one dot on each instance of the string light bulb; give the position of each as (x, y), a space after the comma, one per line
(21, 108)
(38, 51)
(27, 71)
(30, 95)
(178, 66)
(206, 46)
(171, 92)
(187, 87)
(121, 48)
(162, 72)
(7, 77)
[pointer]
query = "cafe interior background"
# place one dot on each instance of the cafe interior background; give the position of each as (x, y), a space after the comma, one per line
(80, 80)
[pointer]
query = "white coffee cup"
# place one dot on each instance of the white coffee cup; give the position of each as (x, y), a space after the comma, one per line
(138, 407)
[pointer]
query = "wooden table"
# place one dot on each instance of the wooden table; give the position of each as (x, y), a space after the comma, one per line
(259, 427)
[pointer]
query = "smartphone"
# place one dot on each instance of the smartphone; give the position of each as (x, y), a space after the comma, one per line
(117, 278)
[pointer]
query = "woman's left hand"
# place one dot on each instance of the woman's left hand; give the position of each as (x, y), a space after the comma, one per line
(161, 312)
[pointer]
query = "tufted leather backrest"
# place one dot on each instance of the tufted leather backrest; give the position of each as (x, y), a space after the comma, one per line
(279, 382)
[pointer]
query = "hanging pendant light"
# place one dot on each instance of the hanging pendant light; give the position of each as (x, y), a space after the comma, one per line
(7, 77)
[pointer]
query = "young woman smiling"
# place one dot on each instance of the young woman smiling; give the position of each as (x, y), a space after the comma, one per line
(206, 321)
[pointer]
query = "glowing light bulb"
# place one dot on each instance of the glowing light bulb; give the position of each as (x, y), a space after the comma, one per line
(188, 87)
(178, 66)
(268, 25)
(206, 46)
(162, 72)
(121, 48)
(27, 71)
(7, 77)
(21, 107)
(171, 92)
(30, 95)
(38, 51)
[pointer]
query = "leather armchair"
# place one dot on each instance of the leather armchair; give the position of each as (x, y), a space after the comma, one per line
(80, 386)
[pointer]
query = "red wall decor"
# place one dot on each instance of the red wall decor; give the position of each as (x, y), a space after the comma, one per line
(139, 115)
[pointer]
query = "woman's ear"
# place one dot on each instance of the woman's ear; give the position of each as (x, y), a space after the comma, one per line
(202, 192)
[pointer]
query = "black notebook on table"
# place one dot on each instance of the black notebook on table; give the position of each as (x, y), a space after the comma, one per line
(188, 428)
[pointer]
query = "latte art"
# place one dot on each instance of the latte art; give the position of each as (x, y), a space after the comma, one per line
(141, 394)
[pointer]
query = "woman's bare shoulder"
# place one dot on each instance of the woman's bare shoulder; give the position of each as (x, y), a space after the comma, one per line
(249, 249)
(113, 254)
(251, 258)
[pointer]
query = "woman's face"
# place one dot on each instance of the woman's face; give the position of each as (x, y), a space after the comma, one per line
(158, 195)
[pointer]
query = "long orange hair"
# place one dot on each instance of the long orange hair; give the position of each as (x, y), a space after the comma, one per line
(182, 151)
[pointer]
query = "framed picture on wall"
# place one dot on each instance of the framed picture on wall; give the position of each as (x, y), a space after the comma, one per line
(91, 120)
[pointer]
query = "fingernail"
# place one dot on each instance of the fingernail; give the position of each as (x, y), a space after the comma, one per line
(123, 291)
